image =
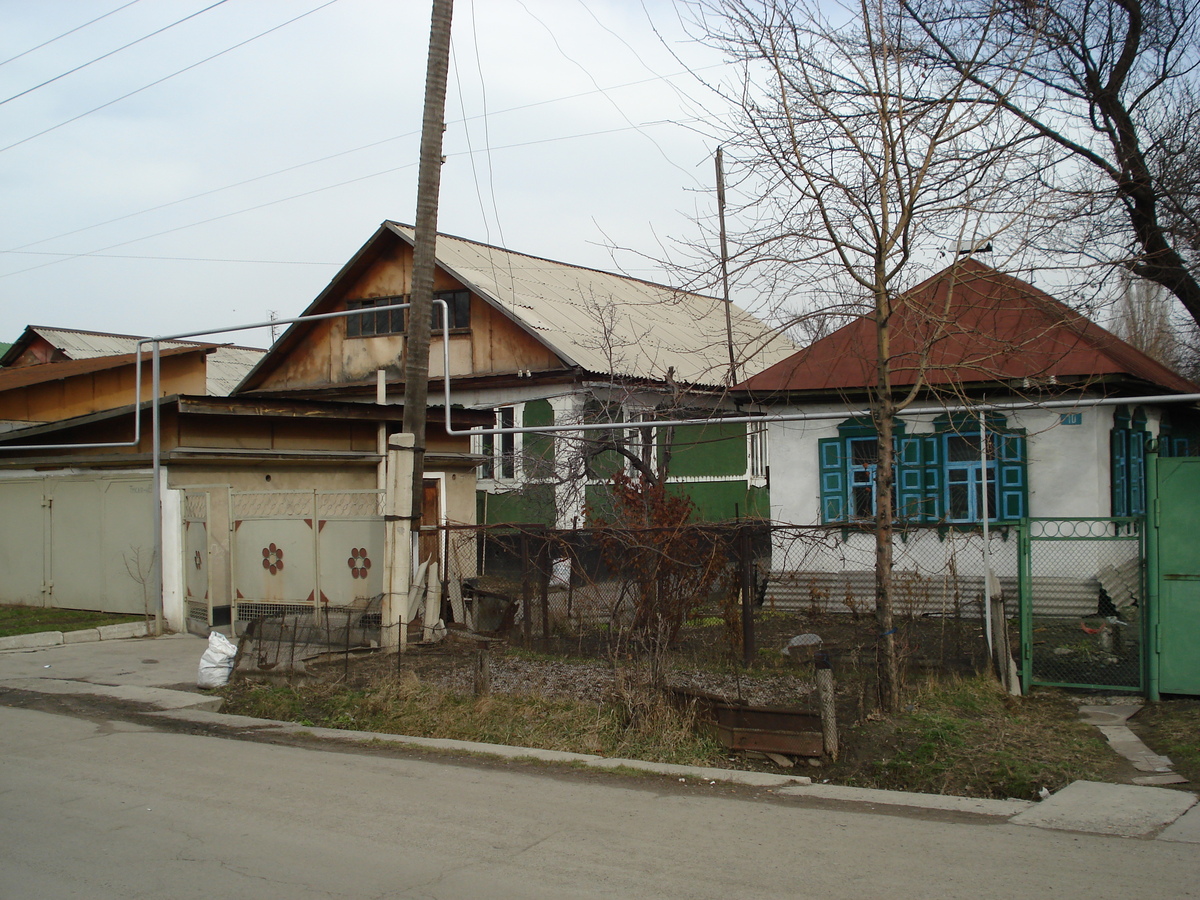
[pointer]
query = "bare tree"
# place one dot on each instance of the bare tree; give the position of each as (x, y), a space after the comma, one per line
(1148, 317)
(1111, 86)
(860, 164)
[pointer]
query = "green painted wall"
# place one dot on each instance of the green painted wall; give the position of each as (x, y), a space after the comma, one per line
(725, 500)
(533, 504)
(709, 449)
(538, 455)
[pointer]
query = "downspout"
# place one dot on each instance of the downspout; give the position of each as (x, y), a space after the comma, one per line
(155, 380)
(381, 431)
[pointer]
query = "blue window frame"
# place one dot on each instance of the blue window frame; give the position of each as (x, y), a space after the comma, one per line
(939, 477)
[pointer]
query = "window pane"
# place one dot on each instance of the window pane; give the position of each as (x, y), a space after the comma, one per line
(962, 447)
(864, 451)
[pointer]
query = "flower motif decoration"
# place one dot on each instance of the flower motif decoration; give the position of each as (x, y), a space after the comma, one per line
(199, 561)
(273, 558)
(358, 562)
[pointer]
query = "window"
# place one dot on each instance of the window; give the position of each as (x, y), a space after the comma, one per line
(459, 309)
(500, 450)
(1127, 442)
(388, 321)
(967, 473)
(938, 477)
(756, 439)
(392, 321)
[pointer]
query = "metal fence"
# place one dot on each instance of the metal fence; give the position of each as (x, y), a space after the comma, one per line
(1081, 612)
(592, 591)
(1074, 585)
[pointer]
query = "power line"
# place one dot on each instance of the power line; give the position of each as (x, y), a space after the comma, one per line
(521, 144)
(167, 77)
(312, 162)
(65, 33)
(271, 262)
(112, 52)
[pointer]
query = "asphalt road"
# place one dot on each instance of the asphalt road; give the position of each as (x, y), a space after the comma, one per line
(99, 808)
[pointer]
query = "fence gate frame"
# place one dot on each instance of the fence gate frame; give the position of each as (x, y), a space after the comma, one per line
(196, 513)
(1079, 529)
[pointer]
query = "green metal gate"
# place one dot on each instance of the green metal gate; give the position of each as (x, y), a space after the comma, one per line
(1173, 564)
(1082, 609)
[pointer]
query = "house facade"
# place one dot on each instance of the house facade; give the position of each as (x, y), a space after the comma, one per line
(1003, 425)
(268, 505)
(539, 343)
(966, 341)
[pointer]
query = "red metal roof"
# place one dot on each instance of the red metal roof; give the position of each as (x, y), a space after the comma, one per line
(968, 324)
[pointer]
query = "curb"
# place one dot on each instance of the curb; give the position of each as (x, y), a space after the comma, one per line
(42, 639)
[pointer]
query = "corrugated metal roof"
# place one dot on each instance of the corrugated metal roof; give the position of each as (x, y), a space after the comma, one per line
(968, 324)
(608, 323)
(226, 366)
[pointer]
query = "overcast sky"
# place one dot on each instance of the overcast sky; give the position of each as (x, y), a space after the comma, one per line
(239, 186)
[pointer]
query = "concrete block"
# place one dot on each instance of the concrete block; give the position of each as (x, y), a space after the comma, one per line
(124, 630)
(31, 641)
(1185, 829)
(1120, 809)
(81, 637)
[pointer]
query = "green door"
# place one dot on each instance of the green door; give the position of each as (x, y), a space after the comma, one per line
(1178, 527)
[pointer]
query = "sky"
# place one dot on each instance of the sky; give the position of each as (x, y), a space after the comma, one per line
(221, 170)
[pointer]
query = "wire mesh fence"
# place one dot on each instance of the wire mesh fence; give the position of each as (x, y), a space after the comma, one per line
(756, 594)
(1082, 620)
(605, 591)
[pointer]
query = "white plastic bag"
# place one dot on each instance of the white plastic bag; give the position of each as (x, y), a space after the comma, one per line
(217, 662)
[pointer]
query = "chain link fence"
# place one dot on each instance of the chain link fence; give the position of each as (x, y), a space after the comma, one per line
(596, 592)
(1082, 615)
(608, 593)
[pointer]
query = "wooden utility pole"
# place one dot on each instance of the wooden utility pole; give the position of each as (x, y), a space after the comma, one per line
(429, 179)
(725, 266)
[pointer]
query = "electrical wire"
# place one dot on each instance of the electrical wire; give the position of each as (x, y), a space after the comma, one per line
(368, 146)
(66, 33)
(166, 77)
(329, 187)
(144, 37)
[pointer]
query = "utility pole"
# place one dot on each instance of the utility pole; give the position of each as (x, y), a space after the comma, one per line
(416, 344)
(725, 266)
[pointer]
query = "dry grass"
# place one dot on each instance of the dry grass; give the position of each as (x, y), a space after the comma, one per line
(969, 738)
(628, 723)
(1172, 728)
(961, 736)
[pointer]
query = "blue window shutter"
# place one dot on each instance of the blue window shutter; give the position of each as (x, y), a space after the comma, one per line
(1012, 485)
(831, 456)
(910, 480)
(1137, 473)
(1179, 446)
(1119, 444)
(931, 458)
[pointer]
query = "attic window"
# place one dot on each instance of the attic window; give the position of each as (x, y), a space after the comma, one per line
(392, 321)
(389, 321)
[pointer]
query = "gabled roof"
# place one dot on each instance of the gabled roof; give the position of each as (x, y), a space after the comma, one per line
(596, 321)
(226, 366)
(968, 325)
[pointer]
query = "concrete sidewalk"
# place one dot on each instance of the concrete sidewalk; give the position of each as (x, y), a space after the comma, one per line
(161, 673)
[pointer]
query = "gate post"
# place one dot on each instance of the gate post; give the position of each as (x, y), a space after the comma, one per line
(398, 551)
(1025, 593)
(1149, 547)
